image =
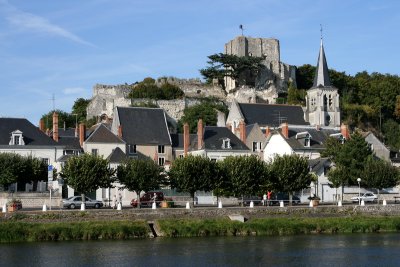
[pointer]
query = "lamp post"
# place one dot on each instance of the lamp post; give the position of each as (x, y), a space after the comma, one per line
(359, 191)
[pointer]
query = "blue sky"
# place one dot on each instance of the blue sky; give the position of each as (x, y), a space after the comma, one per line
(65, 47)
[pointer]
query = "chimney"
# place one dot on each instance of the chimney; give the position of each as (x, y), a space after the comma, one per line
(82, 134)
(345, 131)
(55, 126)
(186, 140)
(120, 131)
(76, 130)
(267, 131)
(200, 134)
(285, 129)
(242, 131)
(41, 125)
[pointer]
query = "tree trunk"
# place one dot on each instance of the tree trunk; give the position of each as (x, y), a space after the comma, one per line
(337, 200)
(83, 200)
(290, 198)
(192, 196)
(378, 196)
(138, 198)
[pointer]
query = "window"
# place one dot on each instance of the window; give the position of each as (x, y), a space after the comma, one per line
(161, 161)
(214, 160)
(181, 156)
(45, 161)
(132, 149)
(16, 138)
(254, 146)
(259, 146)
(161, 149)
(95, 152)
(307, 141)
(226, 143)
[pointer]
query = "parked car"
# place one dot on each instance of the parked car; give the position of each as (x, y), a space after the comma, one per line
(76, 201)
(148, 198)
(278, 197)
(367, 197)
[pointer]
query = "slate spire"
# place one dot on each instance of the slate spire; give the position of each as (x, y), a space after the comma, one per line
(321, 73)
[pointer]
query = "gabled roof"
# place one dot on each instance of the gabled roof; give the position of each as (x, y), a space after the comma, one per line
(316, 164)
(272, 115)
(117, 156)
(103, 135)
(321, 78)
(177, 140)
(143, 126)
(31, 134)
(318, 137)
(214, 136)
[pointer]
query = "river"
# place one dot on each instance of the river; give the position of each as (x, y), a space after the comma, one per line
(305, 250)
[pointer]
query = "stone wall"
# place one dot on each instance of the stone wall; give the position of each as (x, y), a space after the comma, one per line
(32, 200)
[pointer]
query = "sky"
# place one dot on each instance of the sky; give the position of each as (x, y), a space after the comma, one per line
(63, 48)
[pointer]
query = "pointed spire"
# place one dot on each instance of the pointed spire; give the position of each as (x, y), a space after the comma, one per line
(321, 73)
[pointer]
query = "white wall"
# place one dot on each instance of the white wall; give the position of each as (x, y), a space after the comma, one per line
(276, 146)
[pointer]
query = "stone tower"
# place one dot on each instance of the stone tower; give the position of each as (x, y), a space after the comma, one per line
(322, 100)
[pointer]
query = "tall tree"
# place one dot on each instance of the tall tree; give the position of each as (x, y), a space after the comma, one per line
(290, 173)
(79, 109)
(243, 70)
(63, 117)
(86, 173)
(192, 173)
(11, 167)
(245, 175)
(140, 175)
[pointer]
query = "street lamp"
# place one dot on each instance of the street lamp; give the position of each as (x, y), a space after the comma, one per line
(359, 191)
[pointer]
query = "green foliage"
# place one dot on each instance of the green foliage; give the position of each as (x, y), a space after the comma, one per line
(379, 174)
(392, 129)
(145, 104)
(337, 177)
(79, 108)
(242, 69)
(290, 173)
(207, 111)
(245, 175)
(63, 116)
(86, 173)
(149, 89)
(296, 96)
(192, 173)
(140, 175)
(15, 168)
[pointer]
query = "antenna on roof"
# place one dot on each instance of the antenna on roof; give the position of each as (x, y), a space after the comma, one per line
(241, 27)
(279, 118)
(321, 31)
(53, 98)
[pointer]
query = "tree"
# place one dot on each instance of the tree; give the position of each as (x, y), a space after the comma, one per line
(140, 175)
(192, 173)
(243, 70)
(295, 96)
(337, 177)
(62, 117)
(379, 174)
(391, 131)
(245, 175)
(290, 173)
(207, 111)
(86, 173)
(11, 167)
(149, 89)
(79, 108)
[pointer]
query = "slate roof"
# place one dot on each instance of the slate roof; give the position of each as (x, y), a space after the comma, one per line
(269, 114)
(214, 136)
(143, 126)
(31, 134)
(66, 137)
(177, 140)
(103, 135)
(316, 164)
(318, 137)
(117, 156)
(321, 78)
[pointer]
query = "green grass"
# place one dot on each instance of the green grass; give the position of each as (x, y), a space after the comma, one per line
(278, 226)
(24, 231)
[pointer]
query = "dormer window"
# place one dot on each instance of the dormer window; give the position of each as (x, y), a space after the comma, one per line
(307, 140)
(339, 137)
(226, 143)
(16, 139)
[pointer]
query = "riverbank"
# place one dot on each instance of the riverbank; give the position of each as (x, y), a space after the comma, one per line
(145, 223)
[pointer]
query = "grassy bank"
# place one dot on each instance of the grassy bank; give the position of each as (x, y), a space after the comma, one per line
(25, 231)
(278, 226)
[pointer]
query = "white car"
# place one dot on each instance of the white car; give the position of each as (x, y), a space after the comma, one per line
(367, 197)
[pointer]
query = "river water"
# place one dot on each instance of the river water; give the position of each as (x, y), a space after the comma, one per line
(305, 250)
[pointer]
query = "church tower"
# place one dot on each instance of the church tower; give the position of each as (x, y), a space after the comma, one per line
(322, 100)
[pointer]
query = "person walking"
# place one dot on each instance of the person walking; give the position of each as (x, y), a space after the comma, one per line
(269, 197)
(120, 198)
(114, 202)
(264, 199)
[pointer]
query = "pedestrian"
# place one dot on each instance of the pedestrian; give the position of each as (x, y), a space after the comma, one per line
(264, 199)
(269, 197)
(114, 202)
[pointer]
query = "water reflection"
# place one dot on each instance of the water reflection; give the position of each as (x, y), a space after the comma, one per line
(311, 250)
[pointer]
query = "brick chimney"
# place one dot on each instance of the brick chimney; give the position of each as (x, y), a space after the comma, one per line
(345, 131)
(41, 125)
(267, 131)
(55, 126)
(285, 129)
(200, 132)
(186, 140)
(120, 131)
(242, 131)
(82, 133)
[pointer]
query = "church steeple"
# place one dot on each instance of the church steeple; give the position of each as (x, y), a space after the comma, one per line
(321, 73)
